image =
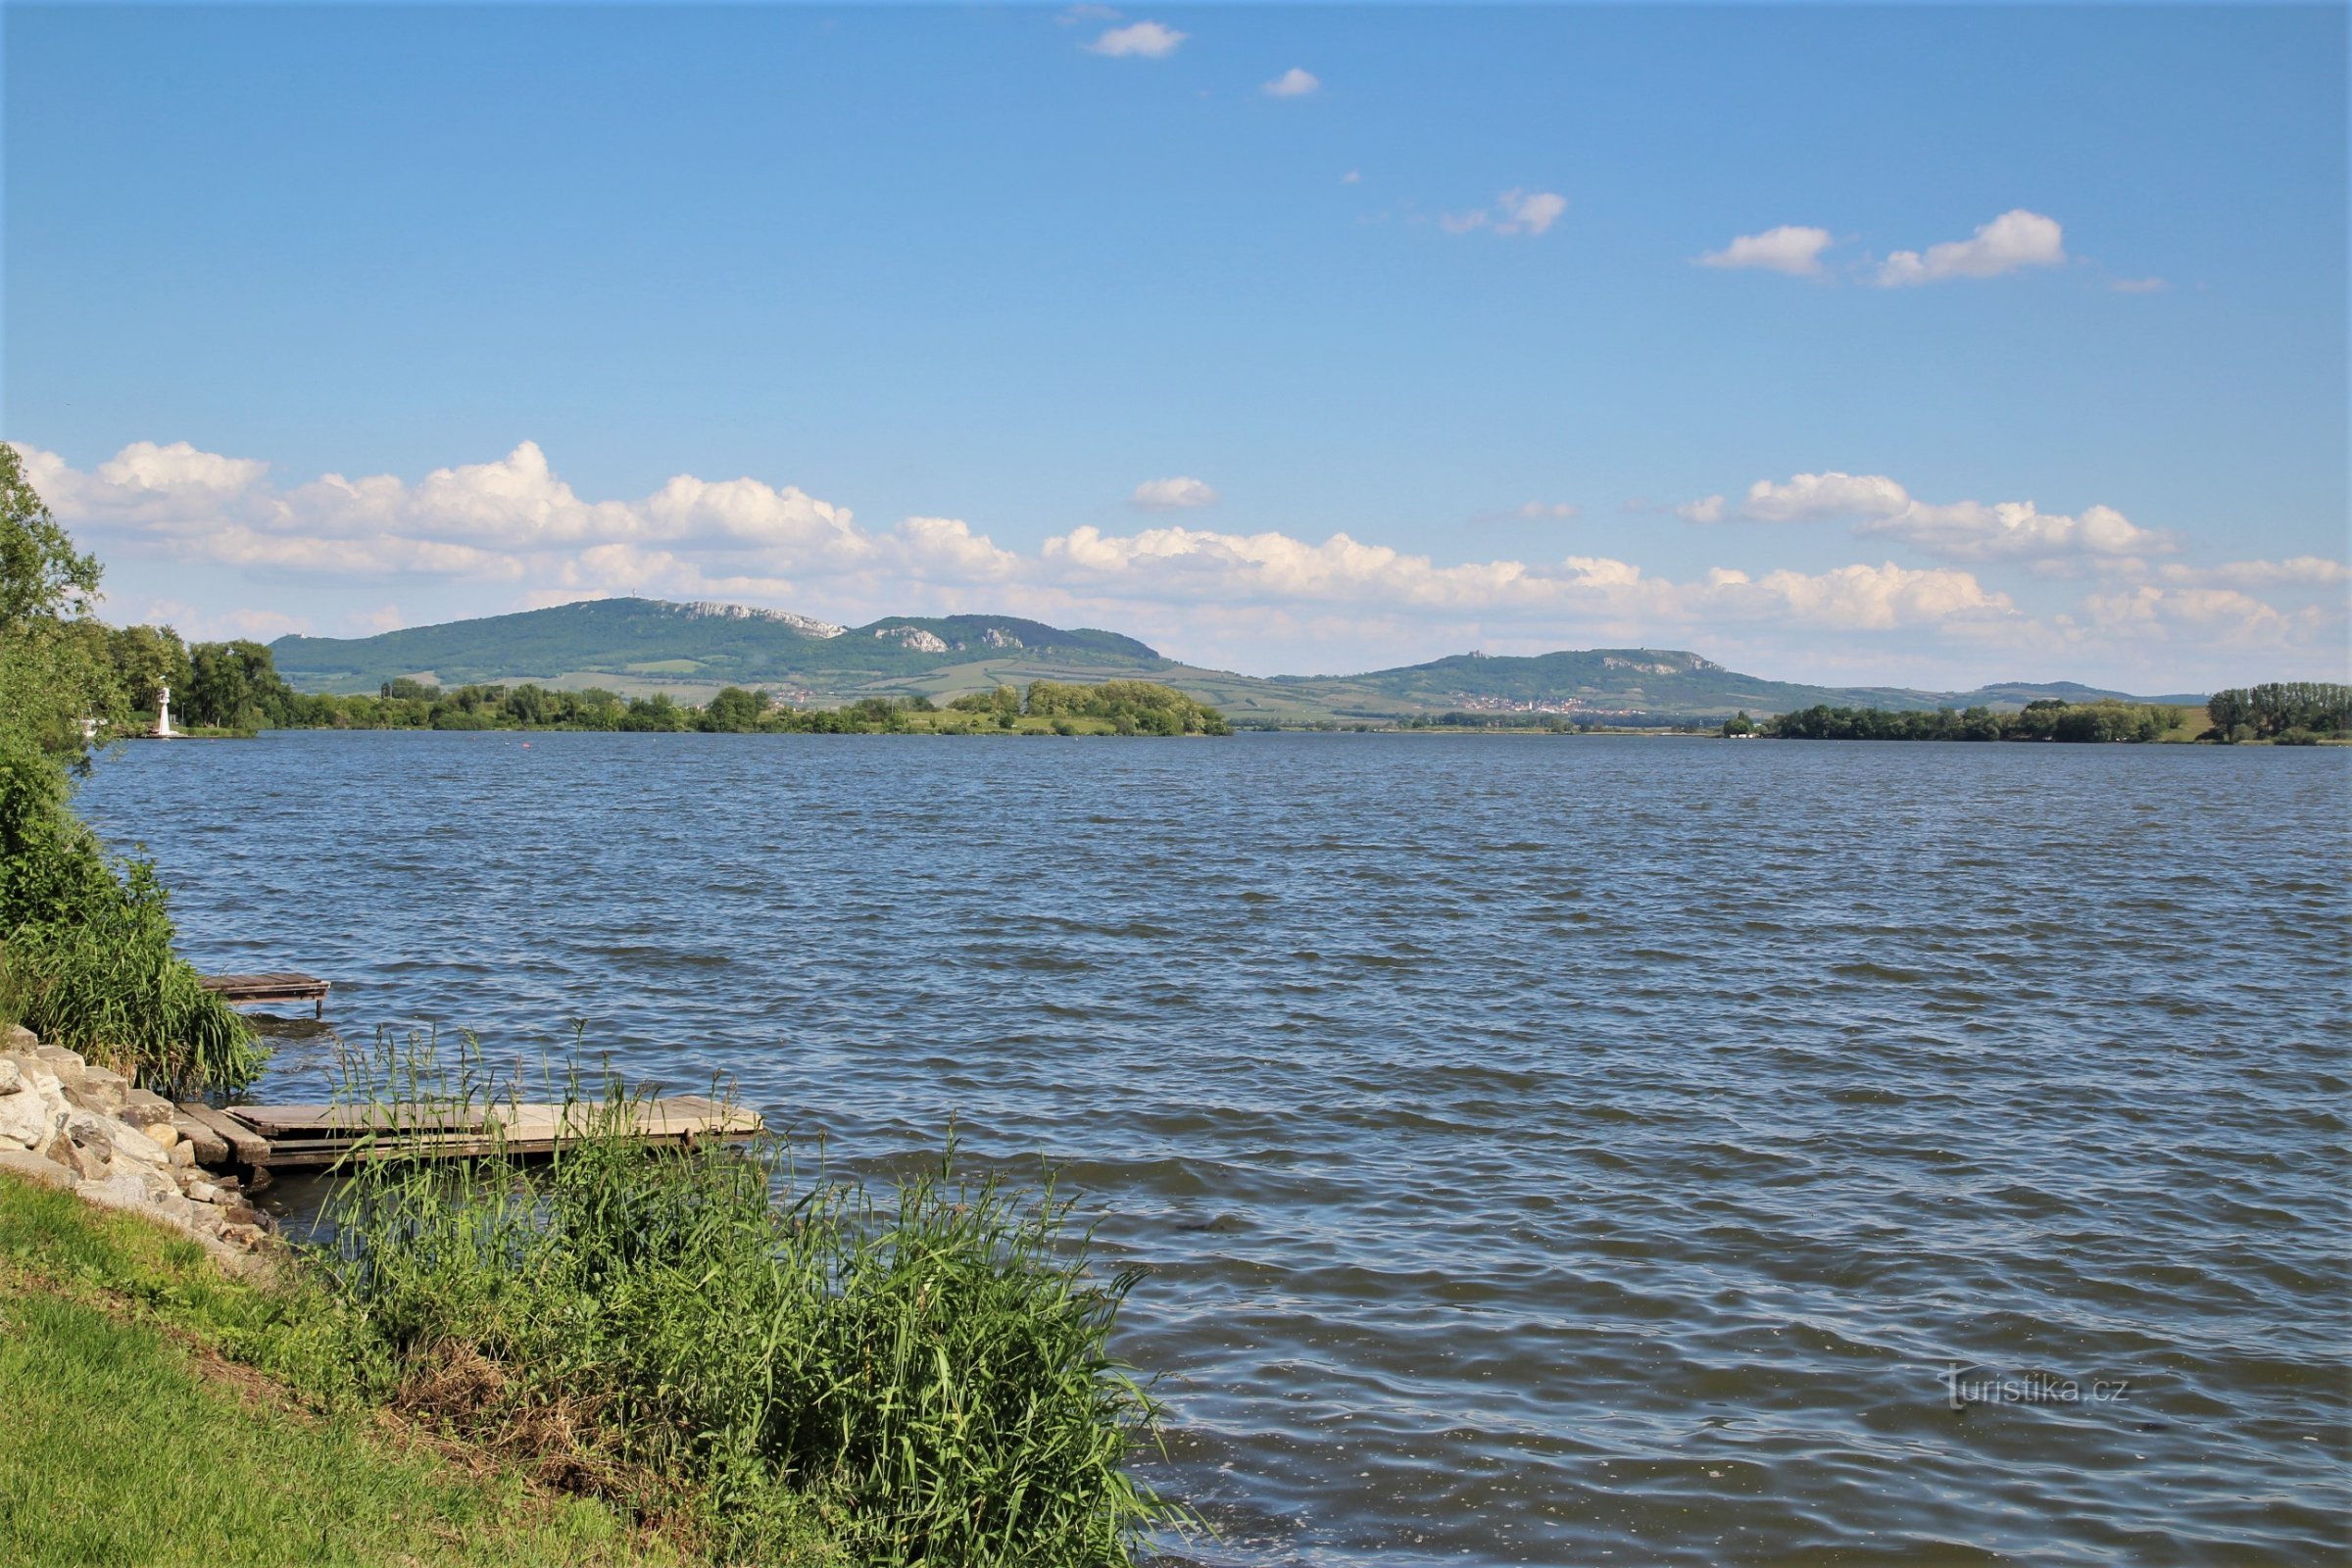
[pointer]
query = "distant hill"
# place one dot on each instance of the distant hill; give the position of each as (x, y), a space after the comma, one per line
(642, 643)
(636, 646)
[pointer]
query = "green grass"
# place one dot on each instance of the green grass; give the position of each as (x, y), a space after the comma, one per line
(135, 1434)
(923, 1376)
(686, 1366)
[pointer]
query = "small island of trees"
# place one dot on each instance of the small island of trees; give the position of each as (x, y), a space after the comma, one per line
(2287, 712)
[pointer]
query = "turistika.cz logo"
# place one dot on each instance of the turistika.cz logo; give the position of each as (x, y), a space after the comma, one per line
(1964, 1385)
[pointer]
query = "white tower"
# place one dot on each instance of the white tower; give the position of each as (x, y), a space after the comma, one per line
(163, 712)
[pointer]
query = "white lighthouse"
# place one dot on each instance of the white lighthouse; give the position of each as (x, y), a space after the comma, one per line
(163, 712)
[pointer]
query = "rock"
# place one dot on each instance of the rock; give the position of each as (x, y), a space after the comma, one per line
(147, 1110)
(103, 1088)
(94, 1134)
(201, 1191)
(38, 1074)
(119, 1190)
(245, 1236)
(182, 1156)
(31, 1166)
(132, 1144)
(64, 1060)
(11, 1077)
(30, 1118)
(16, 1037)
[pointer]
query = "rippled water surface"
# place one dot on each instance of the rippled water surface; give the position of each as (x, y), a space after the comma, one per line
(1549, 1149)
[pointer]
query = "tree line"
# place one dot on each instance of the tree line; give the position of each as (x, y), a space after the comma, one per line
(235, 686)
(2290, 710)
(2045, 719)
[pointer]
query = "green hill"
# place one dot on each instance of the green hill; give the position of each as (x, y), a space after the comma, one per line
(640, 646)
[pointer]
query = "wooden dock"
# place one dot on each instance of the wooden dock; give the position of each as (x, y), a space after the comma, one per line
(311, 1137)
(239, 990)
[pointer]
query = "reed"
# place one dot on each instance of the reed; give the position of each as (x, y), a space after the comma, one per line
(921, 1376)
(107, 984)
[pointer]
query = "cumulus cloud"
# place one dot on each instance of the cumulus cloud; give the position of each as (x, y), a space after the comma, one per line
(2296, 572)
(1706, 508)
(1963, 530)
(1293, 83)
(1145, 40)
(1178, 494)
(1515, 212)
(1813, 497)
(2016, 239)
(1788, 249)
(1273, 569)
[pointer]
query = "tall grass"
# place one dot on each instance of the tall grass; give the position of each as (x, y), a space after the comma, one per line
(921, 1376)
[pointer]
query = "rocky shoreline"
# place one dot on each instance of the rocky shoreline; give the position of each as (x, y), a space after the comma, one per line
(87, 1129)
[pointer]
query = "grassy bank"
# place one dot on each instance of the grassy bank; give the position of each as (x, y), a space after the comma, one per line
(685, 1365)
(143, 1426)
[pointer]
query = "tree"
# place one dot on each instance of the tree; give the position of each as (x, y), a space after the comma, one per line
(734, 710)
(147, 659)
(54, 670)
(41, 575)
(233, 685)
(1739, 724)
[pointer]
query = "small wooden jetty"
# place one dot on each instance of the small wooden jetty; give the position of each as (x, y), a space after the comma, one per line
(312, 1137)
(239, 990)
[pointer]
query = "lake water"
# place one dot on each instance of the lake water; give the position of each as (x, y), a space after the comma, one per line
(1549, 1149)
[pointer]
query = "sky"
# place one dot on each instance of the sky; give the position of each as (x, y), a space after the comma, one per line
(1887, 345)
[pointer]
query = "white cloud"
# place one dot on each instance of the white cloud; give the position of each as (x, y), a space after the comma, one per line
(1147, 40)
(1788, 249)
(1353, 176)
(2296, 572)
(1962, 530)
(1551, 511)
(1178, 494)
(1185, 565)
(1515, 212)
(1707, 508)
(2015, 530)
(2017, 238)
(2212, 617)
(1291, 83)
(2139, 286)
(1074, 15)
(1814, 497)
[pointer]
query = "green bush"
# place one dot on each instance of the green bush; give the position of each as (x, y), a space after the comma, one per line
(925, 1379)
(85, 950)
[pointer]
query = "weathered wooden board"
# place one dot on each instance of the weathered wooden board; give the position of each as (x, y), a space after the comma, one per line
(279, 986)
(211, 1148)
(316, 1135)
(248, 1146)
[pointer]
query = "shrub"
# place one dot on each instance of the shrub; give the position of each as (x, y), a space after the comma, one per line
(928, 1375)
(85, 949)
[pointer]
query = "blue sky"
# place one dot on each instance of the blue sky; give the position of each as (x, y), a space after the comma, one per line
(1071, 314)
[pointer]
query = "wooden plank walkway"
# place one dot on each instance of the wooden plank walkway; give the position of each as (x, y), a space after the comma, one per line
(300, 1136)
(238, 989)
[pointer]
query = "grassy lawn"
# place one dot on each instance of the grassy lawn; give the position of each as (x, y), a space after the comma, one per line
(138, 1432)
